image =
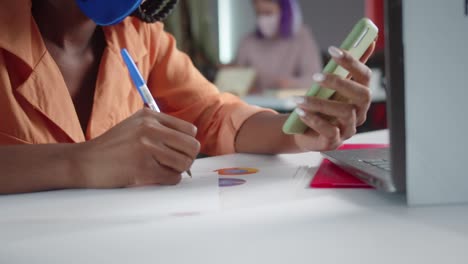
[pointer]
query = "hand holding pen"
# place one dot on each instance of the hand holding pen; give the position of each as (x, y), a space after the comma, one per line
(145, 94)
(144, 149)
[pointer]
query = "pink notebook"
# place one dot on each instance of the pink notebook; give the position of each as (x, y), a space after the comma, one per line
(329, 175)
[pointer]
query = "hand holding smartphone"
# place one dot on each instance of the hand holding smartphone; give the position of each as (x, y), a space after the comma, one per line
(356, 43)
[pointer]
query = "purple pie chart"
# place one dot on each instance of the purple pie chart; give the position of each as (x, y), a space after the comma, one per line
(230, 182)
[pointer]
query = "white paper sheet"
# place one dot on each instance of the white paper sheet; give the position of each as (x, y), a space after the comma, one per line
(270, 185)
(191, 196)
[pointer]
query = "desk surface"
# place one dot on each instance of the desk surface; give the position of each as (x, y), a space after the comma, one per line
(323, 226)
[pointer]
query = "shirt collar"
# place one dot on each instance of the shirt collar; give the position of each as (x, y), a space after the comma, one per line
(19, 32)
(130, 39)
(21, 37)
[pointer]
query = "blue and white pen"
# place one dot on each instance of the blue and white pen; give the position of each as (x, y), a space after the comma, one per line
(140, 84)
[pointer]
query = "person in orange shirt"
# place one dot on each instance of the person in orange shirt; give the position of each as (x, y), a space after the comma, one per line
(70, 116)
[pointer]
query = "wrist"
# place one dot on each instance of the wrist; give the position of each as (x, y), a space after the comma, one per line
(262, 133)
(298, 143)
(74, 165)
(290, 142)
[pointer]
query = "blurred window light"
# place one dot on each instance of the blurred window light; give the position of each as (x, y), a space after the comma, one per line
(225, 31)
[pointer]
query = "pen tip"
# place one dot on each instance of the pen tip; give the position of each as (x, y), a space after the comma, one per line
(189, 173)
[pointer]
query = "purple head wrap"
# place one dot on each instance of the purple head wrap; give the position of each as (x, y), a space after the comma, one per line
(290, 18)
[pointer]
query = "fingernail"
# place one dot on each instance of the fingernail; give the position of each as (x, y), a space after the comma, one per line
(298, 100)
(335, 52)
(318, 77)
(300, 112)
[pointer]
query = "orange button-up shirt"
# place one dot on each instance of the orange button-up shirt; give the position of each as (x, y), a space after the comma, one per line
(36, 107)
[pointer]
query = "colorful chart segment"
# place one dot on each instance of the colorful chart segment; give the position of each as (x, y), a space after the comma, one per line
(230, 181)
(236, 171)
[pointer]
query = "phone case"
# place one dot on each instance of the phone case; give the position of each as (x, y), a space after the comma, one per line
(356, 43)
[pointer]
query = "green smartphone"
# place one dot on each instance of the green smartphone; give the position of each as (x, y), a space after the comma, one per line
(356, 43)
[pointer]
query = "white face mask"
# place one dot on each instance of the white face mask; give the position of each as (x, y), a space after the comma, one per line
(268, 25)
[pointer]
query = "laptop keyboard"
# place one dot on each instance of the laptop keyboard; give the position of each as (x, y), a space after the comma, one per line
(379, 163)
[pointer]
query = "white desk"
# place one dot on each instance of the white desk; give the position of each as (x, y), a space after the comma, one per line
(318, 226)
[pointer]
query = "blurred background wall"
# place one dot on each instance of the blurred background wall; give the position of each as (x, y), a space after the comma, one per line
(210, 30)
(329, 20)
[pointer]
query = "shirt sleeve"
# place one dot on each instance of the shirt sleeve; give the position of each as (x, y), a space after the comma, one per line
(181, 91)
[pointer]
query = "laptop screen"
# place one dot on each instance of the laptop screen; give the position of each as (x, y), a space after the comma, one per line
(394, 72)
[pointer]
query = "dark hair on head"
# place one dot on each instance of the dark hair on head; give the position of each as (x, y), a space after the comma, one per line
(155, 10)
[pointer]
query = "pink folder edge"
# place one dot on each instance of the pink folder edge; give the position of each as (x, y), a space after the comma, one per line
(329, 175)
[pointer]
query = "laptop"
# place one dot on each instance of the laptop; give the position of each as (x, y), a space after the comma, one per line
(384, 168)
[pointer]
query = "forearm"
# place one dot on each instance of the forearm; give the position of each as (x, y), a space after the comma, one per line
(262, 133)
(30, 168)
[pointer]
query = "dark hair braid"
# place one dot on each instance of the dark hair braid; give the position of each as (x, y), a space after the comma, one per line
(155, 10)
